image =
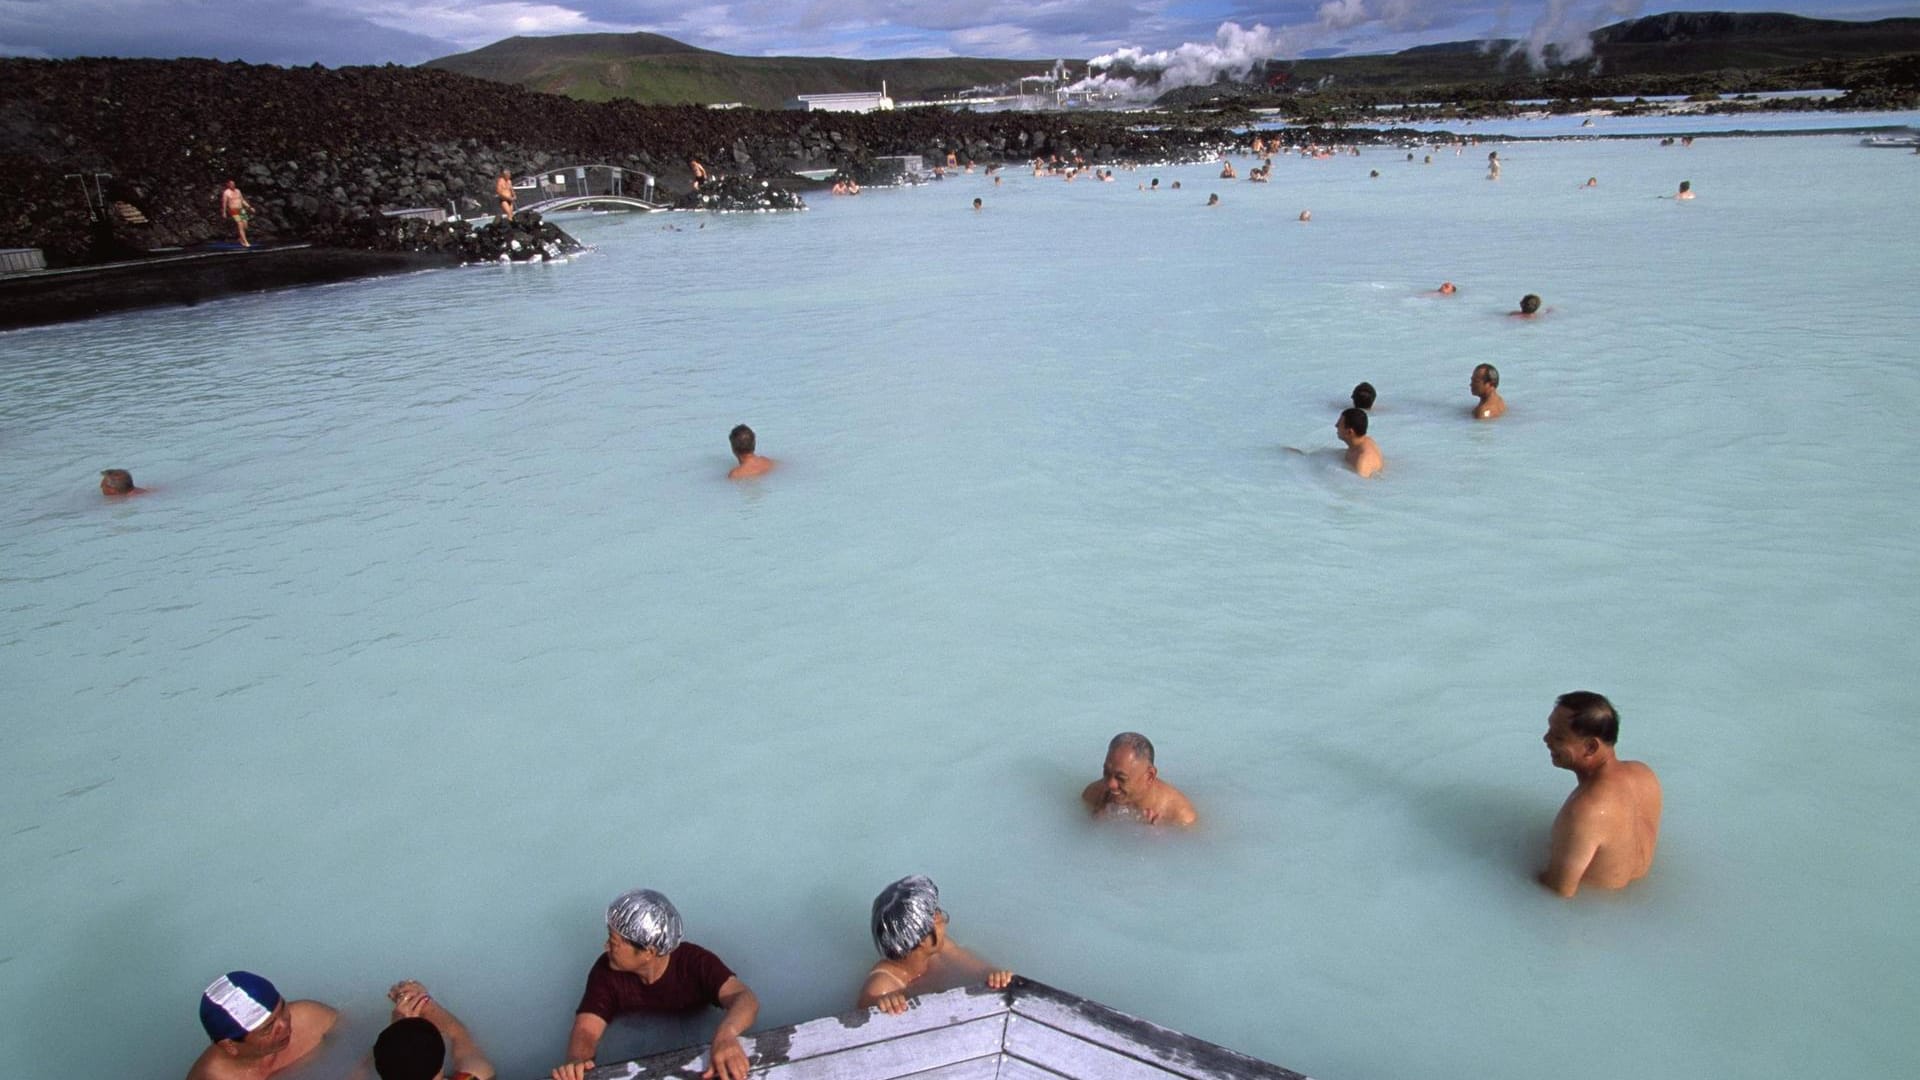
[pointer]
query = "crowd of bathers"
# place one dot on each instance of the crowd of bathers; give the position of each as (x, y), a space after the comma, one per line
(1604, 836)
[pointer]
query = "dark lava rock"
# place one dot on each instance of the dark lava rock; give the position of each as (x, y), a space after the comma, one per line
(739, 193)
(319, 150)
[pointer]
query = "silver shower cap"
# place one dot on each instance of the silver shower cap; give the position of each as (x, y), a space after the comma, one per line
(903, 915)
(647, 920)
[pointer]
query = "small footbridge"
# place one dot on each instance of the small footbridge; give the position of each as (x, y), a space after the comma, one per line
(586, 187)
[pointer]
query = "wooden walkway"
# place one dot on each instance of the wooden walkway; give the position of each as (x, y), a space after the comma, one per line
(1029, 1031)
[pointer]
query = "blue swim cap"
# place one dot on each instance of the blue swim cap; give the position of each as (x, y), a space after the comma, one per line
(236, 1004)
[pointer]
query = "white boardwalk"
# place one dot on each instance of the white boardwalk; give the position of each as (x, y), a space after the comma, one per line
(1029, 1031)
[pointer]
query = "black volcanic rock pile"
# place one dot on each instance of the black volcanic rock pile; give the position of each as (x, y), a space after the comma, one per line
(317, 148)
(526, 237)
(739, 193)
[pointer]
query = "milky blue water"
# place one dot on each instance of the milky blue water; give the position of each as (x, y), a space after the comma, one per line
(1600, 127)
(441, 626)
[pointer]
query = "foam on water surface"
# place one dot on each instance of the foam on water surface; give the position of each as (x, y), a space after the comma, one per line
(441, 628)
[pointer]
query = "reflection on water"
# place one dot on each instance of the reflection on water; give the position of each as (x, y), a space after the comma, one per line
(442, 629)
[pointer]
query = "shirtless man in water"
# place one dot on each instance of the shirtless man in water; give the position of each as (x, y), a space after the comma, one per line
(1607, 830)
(1130, 784)
(751, 464)
(255, 1031)
(1363, 454)
(1529, 307)
(1484, 384)
(910, 931)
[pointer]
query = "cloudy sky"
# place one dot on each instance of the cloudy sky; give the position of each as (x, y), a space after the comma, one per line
(336, 32)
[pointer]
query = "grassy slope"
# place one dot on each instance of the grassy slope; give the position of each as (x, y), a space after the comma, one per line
(658, 70)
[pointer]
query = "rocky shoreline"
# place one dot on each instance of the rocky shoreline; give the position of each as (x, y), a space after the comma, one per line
(320, 153)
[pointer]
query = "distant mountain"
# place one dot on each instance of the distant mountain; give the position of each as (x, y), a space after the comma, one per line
(659, 70)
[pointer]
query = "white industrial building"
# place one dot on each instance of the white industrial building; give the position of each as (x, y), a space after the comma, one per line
(855, 103)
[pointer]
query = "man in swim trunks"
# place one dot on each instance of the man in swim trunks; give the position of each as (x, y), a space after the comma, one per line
(1529, 307)
(1607, 830)
(751, 464)
(647, 968)
(1130, 785)
(235, 206)
(255, 1031)
(1363, 455)
(414, 1046)
(1484, 384)
(503, 190)
(699, 172)
(117, 482)
(910, 931)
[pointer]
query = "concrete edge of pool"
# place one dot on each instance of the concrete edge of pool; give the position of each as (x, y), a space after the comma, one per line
(1029, 1031)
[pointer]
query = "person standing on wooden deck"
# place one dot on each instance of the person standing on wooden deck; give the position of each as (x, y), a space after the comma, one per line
(503, 190)
(1605, 834)
(1130, 785)
(414, 1046)
(235, 206)
(910, 931)
(648, 968)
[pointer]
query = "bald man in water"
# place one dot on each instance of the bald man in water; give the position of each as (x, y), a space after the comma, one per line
(1608, 828)
(1130, 785)
(1484, 384)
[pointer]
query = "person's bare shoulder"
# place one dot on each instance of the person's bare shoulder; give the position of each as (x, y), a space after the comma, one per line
(1178, 809)
(757, 466)
(1091, 794)
(205, 1067)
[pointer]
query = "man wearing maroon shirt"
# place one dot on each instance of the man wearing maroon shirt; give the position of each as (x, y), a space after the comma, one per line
(647, 968)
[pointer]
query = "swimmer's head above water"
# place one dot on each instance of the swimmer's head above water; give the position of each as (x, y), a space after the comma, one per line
(905, 914)
(116, 482)
(645, 920)
(1447, 288)
(741, 439)
(1364, 396)
(1351, 425)
(410, 1048)
(1530, 304)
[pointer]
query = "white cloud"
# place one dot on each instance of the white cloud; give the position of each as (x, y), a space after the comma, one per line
(474, 25)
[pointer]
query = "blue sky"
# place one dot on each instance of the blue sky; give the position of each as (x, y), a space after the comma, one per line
(336, 32)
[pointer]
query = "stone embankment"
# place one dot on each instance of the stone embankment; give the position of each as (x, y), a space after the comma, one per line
(321, 152)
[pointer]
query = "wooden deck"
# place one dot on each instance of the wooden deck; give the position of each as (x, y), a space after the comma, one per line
(1029, 1031)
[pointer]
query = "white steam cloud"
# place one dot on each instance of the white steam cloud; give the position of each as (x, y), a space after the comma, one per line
(1234, 51)
(1563, 33)
(1567, 29)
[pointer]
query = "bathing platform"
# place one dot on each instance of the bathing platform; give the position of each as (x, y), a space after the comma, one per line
(1029, 1031)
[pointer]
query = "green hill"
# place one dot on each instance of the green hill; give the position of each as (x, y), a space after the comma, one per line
(661, 71)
